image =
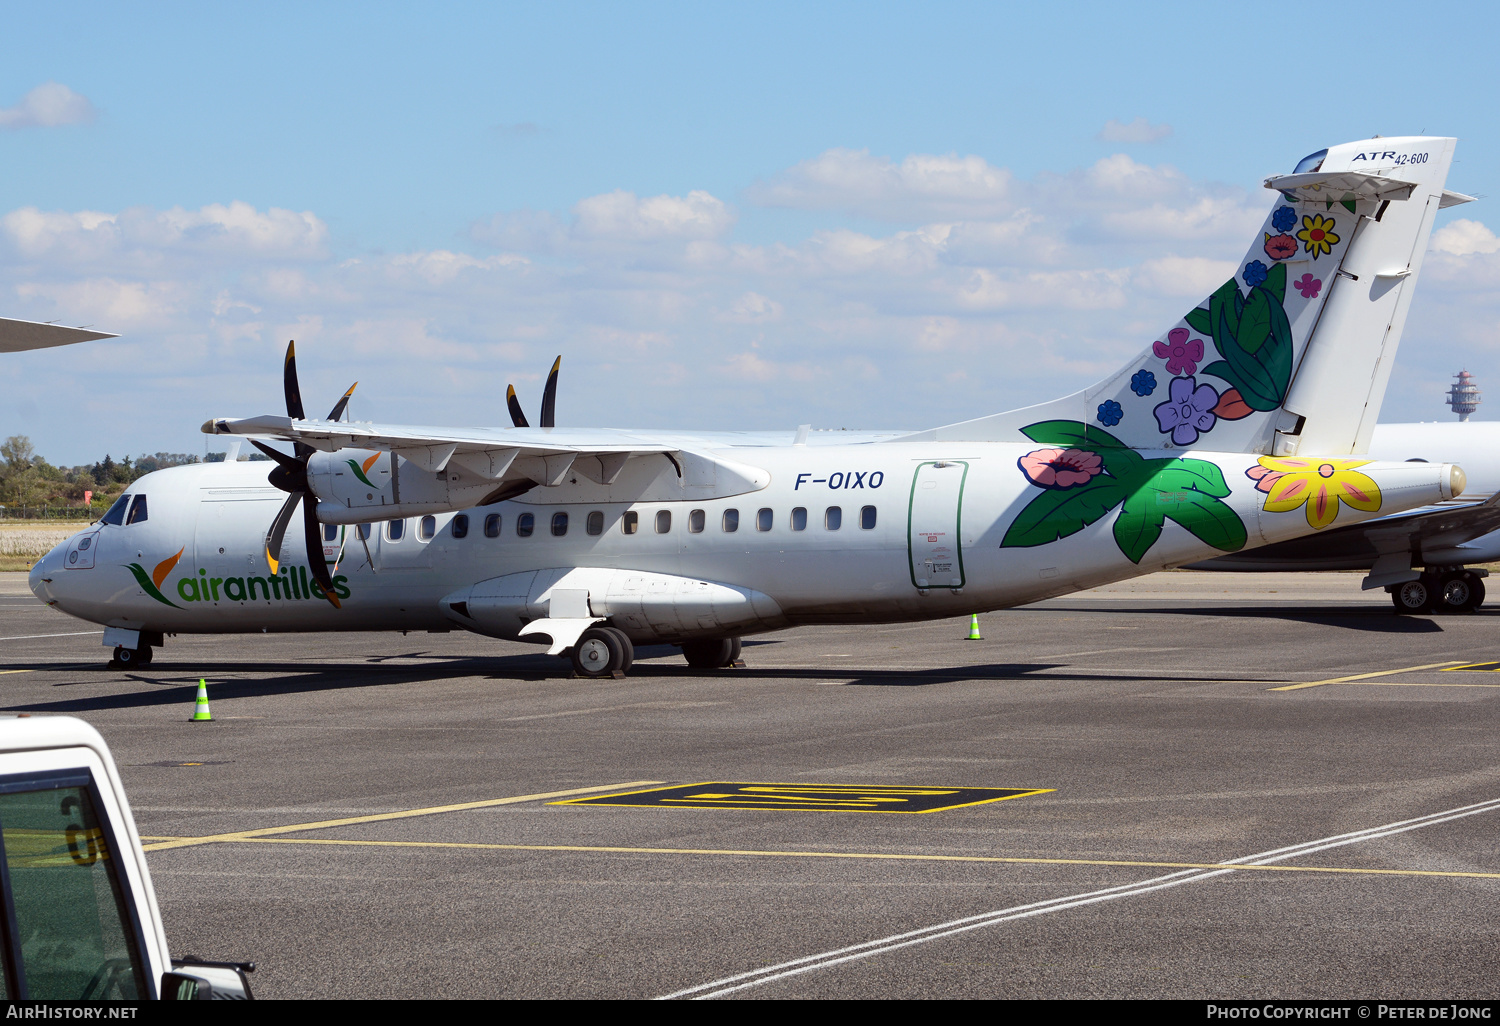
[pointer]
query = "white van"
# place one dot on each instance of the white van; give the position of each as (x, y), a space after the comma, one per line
(80, 916)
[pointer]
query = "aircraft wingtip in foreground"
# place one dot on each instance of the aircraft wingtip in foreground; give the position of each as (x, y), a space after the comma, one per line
(1238, 426)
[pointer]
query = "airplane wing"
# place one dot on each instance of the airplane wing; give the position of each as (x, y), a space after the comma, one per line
(19, 336)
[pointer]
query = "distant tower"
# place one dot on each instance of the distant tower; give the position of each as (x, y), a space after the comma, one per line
(1464, 395)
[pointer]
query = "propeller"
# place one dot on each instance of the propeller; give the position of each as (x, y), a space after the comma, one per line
(549, 401)
(290, 475)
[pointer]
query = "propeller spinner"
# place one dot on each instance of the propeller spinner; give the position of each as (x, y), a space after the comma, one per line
(290, 475)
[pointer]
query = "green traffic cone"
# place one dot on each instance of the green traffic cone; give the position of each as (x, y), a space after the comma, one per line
(974, 628)
(200, 707)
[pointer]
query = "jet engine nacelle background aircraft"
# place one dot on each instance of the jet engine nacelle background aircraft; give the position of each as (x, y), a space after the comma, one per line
(1239, 426)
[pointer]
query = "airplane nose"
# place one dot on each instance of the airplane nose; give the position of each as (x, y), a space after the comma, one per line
(42, 571)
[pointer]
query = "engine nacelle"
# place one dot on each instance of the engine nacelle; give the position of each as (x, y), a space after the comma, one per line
(356, 486)
(646, 606)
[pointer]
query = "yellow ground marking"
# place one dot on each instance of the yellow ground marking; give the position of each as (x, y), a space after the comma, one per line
(1364, 676)
(1488, 666)
(27, 670)
(247, 835)
(878, 856)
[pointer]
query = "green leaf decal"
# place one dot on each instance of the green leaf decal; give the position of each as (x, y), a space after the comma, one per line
(1250, 377)
(1211, 522)
(1059, 512)
(1275, 283)
(1199, 321)
(147, 585)
(1190, 474)
(1120, 460)
(1255, 322)
(1223, 306)
(1138, 526)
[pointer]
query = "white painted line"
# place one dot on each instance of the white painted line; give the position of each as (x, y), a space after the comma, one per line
(797, 966)
(31, 637)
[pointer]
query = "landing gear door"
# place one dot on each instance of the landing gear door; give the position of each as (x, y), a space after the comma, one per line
(933, 522)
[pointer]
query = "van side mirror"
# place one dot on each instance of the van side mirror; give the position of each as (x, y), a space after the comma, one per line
(193, 980)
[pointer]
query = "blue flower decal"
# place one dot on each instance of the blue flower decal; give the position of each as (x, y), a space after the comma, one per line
(1283, 219)
(1255, 273)
(1143, 383)
(1110, 413)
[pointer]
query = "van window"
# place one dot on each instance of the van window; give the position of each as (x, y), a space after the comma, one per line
(116, 513)
(78, 941)
(137, 511)
(525, 524)
(763, 520)
(663, 521)
(330, 532)
(595, 522)
(867, 518)
(695, 521)
(492, 526)
(799, 519)
(460, 526)
(731, 521)
(833, 518)
(428, 528)
(630, 522)
(559, 524)
(394, 529)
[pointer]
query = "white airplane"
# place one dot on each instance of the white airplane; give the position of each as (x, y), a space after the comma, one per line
(1239, 426)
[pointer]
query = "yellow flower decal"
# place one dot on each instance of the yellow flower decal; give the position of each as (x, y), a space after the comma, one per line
(1317, 235)
(1319, 484)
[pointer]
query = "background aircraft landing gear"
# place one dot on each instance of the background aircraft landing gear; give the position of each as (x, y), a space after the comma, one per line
(600, 652)
(714, 654)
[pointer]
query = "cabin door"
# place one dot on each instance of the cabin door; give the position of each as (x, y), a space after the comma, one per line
(933, 521)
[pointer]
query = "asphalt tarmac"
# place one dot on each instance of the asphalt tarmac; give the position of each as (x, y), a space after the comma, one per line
(1144, 717)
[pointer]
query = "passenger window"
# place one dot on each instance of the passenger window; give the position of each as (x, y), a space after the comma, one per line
(595, 523)
(867, 518)
(663, 521)
(799, 519)
(559, 524)
(394, 529)
(833, 518)
(428, 528)
(116, 513)
(77, 941)
(363, 530)
(763, 520)
(525, 524)
(630, 522)
(731, 521)
(330, 532)
(696, 520)
(460, 526)
(492, 526)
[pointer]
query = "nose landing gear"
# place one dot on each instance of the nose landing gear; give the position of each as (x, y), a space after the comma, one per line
(128, 658)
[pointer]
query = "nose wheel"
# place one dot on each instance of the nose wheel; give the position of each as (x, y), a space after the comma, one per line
(128, 658)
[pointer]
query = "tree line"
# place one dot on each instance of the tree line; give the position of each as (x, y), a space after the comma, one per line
(28, 479)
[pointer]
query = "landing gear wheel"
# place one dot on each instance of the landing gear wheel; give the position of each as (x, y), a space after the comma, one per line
(1457, 593)
(627, 647)
(714, 654)
(1412, 596)
(734, 656)
(597, 654)
(124, 658)
(143, 655)
(1478, 588)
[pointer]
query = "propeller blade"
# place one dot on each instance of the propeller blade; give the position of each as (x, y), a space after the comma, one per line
(289, 462)
(315, 561)
(278, 532)
(549, 396)
(338, 410)
(517, 416)
(289, 383)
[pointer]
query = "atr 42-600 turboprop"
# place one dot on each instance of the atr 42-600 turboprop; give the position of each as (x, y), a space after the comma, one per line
(1241, 425)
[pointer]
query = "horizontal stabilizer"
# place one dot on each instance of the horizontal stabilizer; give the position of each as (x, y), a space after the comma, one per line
(1339, 186)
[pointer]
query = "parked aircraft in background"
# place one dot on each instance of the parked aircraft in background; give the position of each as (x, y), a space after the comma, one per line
(1242, 424)
(19, 336)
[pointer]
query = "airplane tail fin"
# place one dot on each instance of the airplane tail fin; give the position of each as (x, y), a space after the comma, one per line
(1293, 353)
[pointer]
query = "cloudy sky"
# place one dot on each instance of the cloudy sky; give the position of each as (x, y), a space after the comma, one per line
(754, 215)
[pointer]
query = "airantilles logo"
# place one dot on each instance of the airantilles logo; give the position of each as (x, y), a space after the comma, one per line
(292, 584)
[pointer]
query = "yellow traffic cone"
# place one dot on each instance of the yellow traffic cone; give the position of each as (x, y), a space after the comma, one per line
(974, 628)
(200, 708)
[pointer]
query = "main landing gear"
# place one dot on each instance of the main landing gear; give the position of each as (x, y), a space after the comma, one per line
(129, 658)
(1451, 591)
(602, 652)
(713, 654)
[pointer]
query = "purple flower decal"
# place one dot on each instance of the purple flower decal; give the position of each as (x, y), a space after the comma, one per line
(1308, 286)
(1187, 411)
(1182, 356)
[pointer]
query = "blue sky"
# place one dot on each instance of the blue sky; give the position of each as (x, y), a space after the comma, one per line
(453, 168)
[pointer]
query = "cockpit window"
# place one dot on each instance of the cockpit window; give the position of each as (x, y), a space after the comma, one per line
(116, 514)
(137, 511)
(1311, 162)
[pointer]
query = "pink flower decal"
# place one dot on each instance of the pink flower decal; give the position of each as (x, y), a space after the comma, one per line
(1308, 286)
(1280, 247)
(1060, 468)
(1181, 355)
(1264, 477)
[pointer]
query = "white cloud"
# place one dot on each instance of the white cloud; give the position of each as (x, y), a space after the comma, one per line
(622, 216)
(1464, 238)
(48, 105)
(921, 185)
(235, 230)
(1137, 131)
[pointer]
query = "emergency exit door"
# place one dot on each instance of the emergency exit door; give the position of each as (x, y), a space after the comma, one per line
(933, 524)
